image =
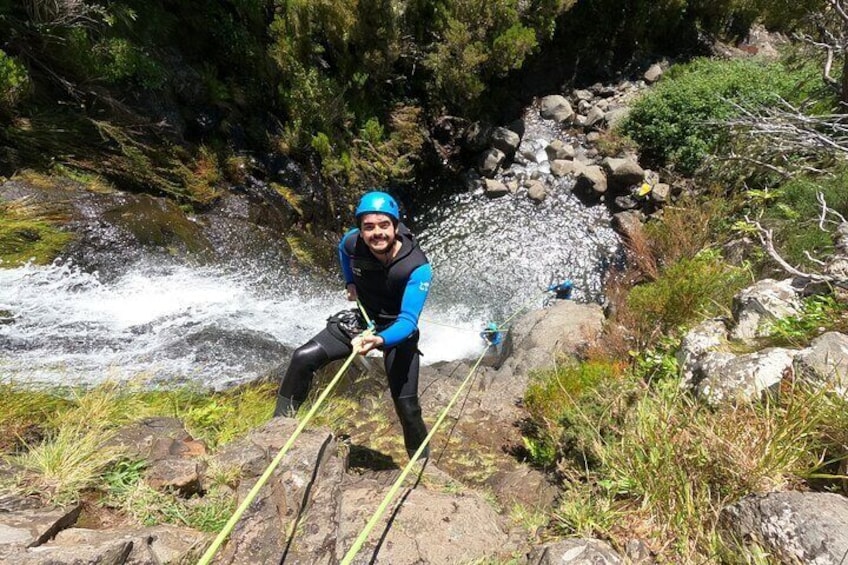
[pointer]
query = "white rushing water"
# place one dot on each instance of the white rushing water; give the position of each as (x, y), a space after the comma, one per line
(175, 323)
(217, 326)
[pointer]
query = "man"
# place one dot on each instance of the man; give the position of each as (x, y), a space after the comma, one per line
(386, 271)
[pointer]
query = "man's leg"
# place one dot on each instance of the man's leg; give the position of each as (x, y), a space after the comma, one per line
(306, 359)
(402, 363)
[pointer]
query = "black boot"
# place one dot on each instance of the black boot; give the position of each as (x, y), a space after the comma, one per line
(286, 407)
(414, 430)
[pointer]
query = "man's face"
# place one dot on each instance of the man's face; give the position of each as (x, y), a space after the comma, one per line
(378, 231)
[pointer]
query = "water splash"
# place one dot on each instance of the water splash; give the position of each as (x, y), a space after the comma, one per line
(170, 323)
(496, 254)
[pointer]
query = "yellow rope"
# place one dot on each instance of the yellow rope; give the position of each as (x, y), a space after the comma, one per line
(363, 535)
(228, 527)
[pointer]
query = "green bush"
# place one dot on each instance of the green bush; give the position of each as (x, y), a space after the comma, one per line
(685, 292)
(567, 409)
(14, 81)
(679, 122)
(793, 214)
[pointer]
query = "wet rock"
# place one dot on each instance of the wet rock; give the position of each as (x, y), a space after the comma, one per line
(536, 191)
(653, 74)
(591, 180)
(723, 377)
(795, 527)
(490, 160)
(253, 352)
(757, 306)
(579, 551)
(495, 188)
(557, 150)
(826, 361)
(505, 140)
(430, 527)
(556, 107)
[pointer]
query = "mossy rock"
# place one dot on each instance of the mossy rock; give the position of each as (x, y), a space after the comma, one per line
(23, 240)
(159, 223)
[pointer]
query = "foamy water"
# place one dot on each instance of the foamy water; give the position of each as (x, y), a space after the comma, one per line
(175, 323)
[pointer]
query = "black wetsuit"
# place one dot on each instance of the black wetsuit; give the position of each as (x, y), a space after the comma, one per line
(392, 295)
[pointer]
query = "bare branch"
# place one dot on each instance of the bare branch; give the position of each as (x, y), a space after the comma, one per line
(766, 237)
(840, 9)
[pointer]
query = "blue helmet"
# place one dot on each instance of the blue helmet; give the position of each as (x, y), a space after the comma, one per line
(378, 203)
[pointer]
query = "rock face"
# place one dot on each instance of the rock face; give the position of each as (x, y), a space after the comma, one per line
(797, 527)
(826, 360)
(430, 527)
(575, 552)
(760, 304)
(309, 471)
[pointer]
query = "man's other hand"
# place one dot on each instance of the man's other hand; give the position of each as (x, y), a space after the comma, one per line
(351, 292)
(366, 343)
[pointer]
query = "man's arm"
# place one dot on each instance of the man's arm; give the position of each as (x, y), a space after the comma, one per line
(344, 262)
(412, 303)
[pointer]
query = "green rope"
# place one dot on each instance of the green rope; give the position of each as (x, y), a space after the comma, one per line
(228, 527)
(363, 535)
(523, 306)
(365, 314)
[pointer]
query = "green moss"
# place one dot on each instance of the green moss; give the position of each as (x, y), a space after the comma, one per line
(23, 240)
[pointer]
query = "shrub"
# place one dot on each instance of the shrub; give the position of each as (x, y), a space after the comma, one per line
(685, 292)
(793, 213)
(14, 81)
(676, 123)
(565, 410)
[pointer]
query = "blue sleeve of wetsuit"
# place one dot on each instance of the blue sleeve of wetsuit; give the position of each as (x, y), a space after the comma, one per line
(411, 305)
(344, 258)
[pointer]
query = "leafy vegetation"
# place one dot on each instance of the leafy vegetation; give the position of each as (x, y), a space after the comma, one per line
(637, 455)
(30, 233)
(677, 123)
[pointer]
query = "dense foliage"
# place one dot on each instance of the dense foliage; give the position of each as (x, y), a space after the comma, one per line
(679, 123)
(355, 82)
